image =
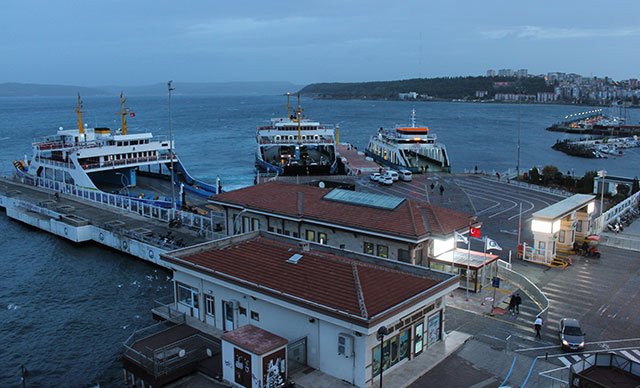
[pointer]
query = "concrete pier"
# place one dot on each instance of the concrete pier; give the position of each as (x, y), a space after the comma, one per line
(139, 230)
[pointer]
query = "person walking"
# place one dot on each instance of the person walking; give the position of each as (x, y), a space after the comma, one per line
(512, 304)
(518, 301)
(538, 326)
(432, 186)
(441, 189)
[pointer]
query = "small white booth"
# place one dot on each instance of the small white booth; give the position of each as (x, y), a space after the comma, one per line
(557, 227)
(254, 358)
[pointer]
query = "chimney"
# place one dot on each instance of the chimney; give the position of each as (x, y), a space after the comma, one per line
(300, 203)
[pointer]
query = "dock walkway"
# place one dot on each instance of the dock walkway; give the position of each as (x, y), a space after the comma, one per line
(81, 220)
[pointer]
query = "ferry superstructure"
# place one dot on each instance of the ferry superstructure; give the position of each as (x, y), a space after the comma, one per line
(103, 159)
(412, 148)
(295, 145)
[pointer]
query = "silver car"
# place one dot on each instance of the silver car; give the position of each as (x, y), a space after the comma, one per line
(571, 334)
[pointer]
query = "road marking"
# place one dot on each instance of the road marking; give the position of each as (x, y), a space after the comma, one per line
(576, 358)
(636, 351)
(629, 356)
(565, 361)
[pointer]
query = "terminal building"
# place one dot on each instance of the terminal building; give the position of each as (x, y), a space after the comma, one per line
(279, 305)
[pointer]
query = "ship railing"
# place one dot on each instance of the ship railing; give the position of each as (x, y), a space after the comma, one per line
(53, 162)
(207, 226)
(123, 162)
(295, 140)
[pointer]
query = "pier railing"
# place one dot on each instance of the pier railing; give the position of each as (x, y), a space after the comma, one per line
(148, 208)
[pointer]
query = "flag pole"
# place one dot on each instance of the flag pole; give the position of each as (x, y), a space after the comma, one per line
(484, 260)
(468, 259)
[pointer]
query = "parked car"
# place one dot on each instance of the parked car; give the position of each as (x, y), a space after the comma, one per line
(375, 176)
(392, 174)
(571, 334)
(386, 180)
(405, 175)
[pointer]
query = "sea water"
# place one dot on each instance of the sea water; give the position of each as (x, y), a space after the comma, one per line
(66, 309)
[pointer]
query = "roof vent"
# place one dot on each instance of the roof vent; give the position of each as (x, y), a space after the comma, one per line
(294, 259)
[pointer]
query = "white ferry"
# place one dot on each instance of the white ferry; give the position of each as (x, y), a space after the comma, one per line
(110, 161)
(410, 148)
(295, 145)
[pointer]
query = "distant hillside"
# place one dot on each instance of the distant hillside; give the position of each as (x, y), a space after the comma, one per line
(33, 90)
(159, 89)
(439, 88)
(211, 88)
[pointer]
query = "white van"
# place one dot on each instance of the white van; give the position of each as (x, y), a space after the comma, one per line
(405, 175)
(392, 174)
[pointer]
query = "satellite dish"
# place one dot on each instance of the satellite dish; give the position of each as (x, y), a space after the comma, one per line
(321, 185)
(182, 353)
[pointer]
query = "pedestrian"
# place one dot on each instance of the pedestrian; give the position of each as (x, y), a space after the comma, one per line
(512, 304)
(498, 175)
(538, 326)
(441, 189)
(475, 169)
(432, 186)
(518, 301)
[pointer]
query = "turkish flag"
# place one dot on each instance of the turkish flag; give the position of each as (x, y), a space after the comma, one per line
(474, 232)
(132, 114)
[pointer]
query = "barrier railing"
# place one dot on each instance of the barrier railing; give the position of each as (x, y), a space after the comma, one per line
(600, 223)
(526, 286)
(148, 208)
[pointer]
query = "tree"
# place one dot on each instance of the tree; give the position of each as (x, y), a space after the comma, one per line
(550, 174)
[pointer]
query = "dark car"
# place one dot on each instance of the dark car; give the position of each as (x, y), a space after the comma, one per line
(571, 334)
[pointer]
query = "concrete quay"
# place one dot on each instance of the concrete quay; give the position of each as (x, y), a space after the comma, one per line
(81, 220)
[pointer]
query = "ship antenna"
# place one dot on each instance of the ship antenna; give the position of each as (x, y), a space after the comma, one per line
(79, 112)
(299, 117)
(288, 105)
(413, 118)
(123, 113)
(170, 89)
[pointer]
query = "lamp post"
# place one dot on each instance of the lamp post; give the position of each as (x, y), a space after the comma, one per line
(602, 174)
(173, 189)
(382, 331)
(125, 183)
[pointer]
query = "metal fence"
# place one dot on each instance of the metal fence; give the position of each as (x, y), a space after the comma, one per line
(147, 208)
(600, 223)
(525, 285)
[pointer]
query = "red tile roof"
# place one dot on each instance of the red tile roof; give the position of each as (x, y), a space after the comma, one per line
(320, 279)
(254, 339)
(410, 219)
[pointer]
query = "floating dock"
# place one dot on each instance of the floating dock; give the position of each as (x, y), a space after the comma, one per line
(117, 222)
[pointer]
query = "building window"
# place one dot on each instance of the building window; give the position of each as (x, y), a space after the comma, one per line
(418, 340)
(296, 235)
(404, 255)
(395, 349)
(255, 224)
(187, 296)
(255, 316)
(322, 238)
(311, 235)
(562, 236)
(210, 305)
(271, 229)
(383, 251)
(542, 246)
(342, 246)
(242, 311)
(279, 231)
(579, 226)
(368, 248)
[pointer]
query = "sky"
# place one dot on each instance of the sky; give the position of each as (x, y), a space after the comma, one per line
(113, 42)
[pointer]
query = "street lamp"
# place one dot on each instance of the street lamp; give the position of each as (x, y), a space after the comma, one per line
(173, 189)
(124, 181)
(382, 331)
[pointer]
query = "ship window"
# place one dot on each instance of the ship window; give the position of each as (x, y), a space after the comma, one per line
(311, 235)
(383, 251)
(368, 248)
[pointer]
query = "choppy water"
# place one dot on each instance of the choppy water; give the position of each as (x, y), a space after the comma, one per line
(65, 309)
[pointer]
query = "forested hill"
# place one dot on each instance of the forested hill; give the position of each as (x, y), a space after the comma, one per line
(438, 88)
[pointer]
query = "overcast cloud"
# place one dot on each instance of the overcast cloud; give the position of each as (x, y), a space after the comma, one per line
(94, 43)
